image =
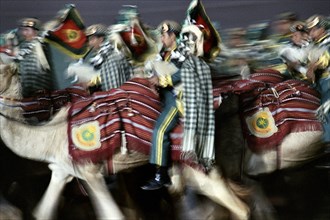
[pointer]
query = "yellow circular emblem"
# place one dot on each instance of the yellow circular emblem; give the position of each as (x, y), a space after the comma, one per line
(87, 136)
(72, 35)
(262, 124)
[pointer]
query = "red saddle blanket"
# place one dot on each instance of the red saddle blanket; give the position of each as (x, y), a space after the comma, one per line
(44, 104)
(272, 107)
(98, 124)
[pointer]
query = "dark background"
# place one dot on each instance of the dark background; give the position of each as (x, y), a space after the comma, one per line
(228, 13)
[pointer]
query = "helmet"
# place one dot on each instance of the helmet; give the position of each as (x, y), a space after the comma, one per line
(317, 21)
(168, 26)
(30, 22)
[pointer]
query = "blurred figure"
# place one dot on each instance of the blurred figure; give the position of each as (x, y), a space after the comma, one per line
(236, 38)
(282, 25)
(233, 54)
(9, 46)
(263, 50)
(318, 67)
(34, 69)
(319, 62)
(113, 66)
(295, 54)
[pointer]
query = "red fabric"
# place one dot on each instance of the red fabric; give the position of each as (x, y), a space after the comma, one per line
(136, 107)
(288, 109)
(44, 104)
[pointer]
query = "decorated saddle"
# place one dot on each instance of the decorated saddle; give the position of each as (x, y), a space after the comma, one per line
(272, 107)
(102, 123)
(44, 104)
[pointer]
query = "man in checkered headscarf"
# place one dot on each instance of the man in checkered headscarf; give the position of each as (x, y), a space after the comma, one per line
(187, 91)
(34, 70)
(114, 67)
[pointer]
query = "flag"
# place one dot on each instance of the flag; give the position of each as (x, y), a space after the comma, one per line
(134, 38)
(196, 15)
(138, 42)
(67, 33)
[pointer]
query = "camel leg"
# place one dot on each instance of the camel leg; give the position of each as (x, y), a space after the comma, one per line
(177, 186)
(104, 205)
(215, 188)
(262, 208)
(48, 205)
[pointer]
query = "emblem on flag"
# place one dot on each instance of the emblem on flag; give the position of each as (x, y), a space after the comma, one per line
(68, 33)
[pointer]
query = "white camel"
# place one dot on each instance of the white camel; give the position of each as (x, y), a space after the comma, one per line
(49, 143)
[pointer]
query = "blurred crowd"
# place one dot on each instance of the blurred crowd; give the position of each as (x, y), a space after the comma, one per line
(286, 44)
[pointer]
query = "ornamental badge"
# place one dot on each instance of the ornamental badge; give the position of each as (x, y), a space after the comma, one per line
(87, 136)
(262, 124)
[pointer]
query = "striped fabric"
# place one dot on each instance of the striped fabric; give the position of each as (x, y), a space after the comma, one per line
(45, 104)
(292, 103)
(293, 106)
(133, 107)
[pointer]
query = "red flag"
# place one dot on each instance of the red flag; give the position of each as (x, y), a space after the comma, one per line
(137, 40)
(196, 15)
(68, 35)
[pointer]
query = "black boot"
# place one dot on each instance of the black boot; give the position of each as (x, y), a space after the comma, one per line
(160, 180)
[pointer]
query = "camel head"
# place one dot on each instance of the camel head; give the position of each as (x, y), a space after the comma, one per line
(9, 82)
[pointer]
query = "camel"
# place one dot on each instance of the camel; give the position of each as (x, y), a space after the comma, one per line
(49, 142)
(297, 149)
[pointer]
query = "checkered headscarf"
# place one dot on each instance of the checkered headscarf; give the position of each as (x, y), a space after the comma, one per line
(33, 76)
(198, 139)
(115, 69)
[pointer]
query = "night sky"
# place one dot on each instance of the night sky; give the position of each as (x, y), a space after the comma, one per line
(228, 13)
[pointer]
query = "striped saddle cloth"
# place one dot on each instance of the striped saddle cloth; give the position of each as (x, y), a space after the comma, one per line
(100, 124)
(272, 107)
(44, 104)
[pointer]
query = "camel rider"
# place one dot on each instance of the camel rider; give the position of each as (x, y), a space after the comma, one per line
(34, 70)
(319, 62)
(188, 91)
(282, 26)
(295, 54)
(169, 116)
(113, 66)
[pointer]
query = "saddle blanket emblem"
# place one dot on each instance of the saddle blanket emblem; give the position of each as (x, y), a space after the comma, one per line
(262, 124)
(87, 136)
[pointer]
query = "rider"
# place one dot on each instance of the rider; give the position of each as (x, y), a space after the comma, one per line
(295, 54)
(282, 26)
(34, 70)
(319, 62)
(114, 68)
(189, 92)
(169, 116)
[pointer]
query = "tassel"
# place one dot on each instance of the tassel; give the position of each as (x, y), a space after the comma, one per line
(123, 147)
